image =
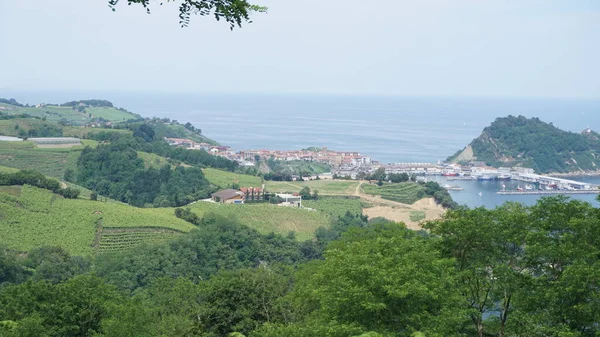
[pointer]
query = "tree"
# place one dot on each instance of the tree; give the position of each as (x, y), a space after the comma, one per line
(305, 193)
(384, 278)
(487, 246)
(234, 12)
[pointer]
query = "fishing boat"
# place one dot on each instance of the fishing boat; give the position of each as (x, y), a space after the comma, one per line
(485, 178)
(519, 188)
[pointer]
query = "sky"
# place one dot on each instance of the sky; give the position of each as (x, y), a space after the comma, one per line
(473, 48)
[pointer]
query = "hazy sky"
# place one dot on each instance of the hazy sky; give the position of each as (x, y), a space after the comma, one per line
(510, 48)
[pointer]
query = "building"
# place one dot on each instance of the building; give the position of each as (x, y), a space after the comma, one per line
(293, 200)
(228, 196)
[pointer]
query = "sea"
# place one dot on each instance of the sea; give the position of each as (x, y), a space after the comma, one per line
(389, 129)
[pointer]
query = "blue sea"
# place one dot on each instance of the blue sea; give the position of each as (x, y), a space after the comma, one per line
(389, 129)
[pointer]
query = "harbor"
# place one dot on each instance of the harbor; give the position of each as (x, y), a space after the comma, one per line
(551, 192)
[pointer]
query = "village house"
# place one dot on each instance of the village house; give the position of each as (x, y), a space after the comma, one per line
(228, 196)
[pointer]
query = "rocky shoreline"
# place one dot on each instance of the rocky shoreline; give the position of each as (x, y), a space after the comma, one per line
(595, 173)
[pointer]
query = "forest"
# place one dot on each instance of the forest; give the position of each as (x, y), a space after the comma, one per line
(510, 271)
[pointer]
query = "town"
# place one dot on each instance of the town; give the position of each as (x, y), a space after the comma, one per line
(354, 165)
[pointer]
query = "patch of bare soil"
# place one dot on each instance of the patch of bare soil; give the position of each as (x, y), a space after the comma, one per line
(400, 212)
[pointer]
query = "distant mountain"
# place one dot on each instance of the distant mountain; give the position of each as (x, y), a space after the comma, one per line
(520, 141)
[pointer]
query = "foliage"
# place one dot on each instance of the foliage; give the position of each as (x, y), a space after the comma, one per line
(114, 170)
(38, 180)
(219, 244)
(90, 102)
(234, 12)
(11, 101)
(527, 265)
(384, 279)
(284, 170)
(514, 141)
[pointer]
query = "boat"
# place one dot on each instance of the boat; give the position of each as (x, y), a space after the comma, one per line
(485, 178)
(449, 174)
(504, 177)
(528, 187)
(519, 188)
(480, 194)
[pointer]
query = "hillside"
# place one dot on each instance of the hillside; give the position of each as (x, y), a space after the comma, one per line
(32, 217)
(72, 113)
(520, 141)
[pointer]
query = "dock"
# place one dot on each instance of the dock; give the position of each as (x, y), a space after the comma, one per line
(553, 192)
(461, 178)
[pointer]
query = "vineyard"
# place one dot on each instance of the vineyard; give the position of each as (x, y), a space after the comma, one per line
(79, 132)
(38, 217)
(111, 240)
(406, 193)
(335, 206)
(325, 187)
(48, 162)
(267, 218)
(225, 179)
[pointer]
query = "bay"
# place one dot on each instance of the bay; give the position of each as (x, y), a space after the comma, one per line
(389, 129)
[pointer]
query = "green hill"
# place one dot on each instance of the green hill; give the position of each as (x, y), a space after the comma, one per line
(520, 141)
(31, 217)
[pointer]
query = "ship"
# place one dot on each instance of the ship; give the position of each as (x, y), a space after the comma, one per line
(485, 178)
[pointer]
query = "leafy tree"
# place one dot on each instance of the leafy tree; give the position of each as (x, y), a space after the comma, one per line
(383, 279)
(234, 12)
(305, 193)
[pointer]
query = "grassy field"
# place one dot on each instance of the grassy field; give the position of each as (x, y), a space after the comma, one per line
(407, 193)
(325, 187)
(38, 217)
(267, 218)
(152, 160)
(225, 179)
(56, 113)
(335, 206)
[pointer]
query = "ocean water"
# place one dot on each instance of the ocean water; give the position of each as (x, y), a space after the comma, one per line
(389, 129)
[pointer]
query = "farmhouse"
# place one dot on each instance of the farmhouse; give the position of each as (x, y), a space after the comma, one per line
(228, 196)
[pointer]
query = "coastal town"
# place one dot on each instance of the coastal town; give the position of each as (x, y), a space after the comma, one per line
(354, 165)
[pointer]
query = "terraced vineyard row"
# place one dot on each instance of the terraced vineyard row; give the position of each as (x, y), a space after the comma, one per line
(122, 239)
(407, 193)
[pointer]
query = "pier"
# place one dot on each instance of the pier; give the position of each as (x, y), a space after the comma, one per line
(553, 192)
